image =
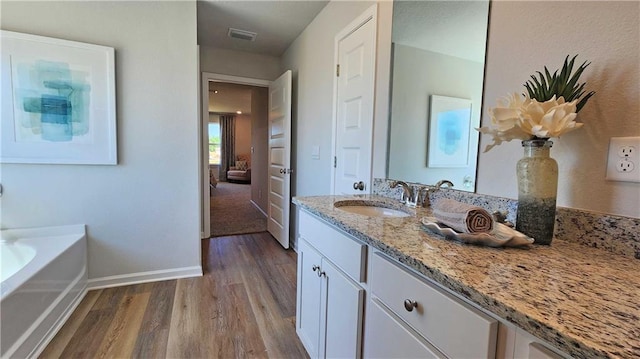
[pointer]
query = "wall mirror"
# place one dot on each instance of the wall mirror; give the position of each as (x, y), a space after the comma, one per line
(437, 76)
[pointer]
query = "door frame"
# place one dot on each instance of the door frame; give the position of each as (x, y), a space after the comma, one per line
(370, 14)
(205, 208)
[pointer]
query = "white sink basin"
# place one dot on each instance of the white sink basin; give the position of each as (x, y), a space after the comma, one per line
(371, 210)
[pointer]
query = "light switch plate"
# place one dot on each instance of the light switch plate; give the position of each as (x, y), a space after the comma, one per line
(315, 153)
(623, 161)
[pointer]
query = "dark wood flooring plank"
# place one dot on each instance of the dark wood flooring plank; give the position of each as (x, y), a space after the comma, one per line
(95, 325)
(223, 267)
(154, 330)
(89, 335)
(237, 336)
(69, 329)
(276, 330)
(280, 282)
(110, 298)
(121, 335)
(190, 328)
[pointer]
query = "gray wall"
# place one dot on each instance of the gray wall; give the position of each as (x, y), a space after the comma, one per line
(239, 63)
(417, 74)
(141, 215)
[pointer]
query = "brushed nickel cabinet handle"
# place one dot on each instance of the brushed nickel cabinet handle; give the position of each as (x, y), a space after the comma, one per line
(358, 185)
(410, 304)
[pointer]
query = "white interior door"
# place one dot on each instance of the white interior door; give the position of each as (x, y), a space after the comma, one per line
(356, 49)
(280, 158)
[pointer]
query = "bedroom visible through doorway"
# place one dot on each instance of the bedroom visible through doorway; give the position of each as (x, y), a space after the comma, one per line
(236, 154)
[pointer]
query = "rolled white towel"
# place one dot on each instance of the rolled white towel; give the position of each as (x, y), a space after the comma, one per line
(463, 217)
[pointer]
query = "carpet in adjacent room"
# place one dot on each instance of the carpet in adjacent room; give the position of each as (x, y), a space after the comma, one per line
(232, 212)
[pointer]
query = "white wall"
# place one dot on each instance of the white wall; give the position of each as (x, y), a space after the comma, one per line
(141, 215)
(524, 37)
(311, 58)
(417, 74)
(239, 63)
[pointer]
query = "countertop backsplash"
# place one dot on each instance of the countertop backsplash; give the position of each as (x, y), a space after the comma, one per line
(616, 234)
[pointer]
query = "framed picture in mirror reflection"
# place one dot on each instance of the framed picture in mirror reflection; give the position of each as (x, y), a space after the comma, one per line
(449, 129)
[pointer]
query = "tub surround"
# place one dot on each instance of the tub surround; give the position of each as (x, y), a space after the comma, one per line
(39, 297)
(581, 300)
(616, 234)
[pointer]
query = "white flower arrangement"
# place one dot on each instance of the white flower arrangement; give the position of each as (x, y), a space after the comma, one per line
(519, 117)
(543, 112)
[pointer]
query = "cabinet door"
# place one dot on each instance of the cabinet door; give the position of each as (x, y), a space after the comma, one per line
(308, 298)
(343, 312)
(386, 337)
(527, 347)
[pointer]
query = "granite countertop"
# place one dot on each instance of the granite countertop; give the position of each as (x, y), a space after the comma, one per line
(582, 300)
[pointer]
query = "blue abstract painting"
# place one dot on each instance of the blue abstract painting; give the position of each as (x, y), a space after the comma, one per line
(58, 101)
(51, 101)
(450, 120)
(452, 128)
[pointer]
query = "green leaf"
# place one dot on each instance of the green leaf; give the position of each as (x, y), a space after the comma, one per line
(562, 83)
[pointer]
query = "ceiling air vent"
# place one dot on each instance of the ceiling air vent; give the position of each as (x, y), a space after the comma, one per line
(242, 34)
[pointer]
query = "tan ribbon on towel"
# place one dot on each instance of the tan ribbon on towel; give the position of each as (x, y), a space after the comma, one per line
(462, 217)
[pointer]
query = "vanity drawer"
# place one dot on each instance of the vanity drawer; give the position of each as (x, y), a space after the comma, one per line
(346, 253)
(389, 338)
(455, 328)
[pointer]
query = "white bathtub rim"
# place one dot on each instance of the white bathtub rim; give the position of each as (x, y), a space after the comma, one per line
(37, 232)
(44, 250)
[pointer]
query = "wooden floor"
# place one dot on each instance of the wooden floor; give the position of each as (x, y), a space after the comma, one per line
(243, 307)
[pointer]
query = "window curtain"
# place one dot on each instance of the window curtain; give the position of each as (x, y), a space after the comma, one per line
(227, 144)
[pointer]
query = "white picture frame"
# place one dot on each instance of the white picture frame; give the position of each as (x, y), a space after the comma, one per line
(58, 101)
(449, 132)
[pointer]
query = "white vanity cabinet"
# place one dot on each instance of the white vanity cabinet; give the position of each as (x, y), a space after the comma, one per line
(386, 310)
(330, 300)
(455, 328)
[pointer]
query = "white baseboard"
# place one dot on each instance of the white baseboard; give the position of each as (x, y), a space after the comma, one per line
(144, 277)
(258, 207)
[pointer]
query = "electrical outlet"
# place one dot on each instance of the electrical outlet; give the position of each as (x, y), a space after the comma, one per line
(625, 151)
(625, 166)
(623, 159)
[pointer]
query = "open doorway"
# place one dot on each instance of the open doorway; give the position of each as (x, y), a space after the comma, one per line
(235, 127)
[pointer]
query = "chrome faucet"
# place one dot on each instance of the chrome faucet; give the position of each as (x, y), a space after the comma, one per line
(407, 193)
(422, 196)
(412, 196)
(425, 201)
